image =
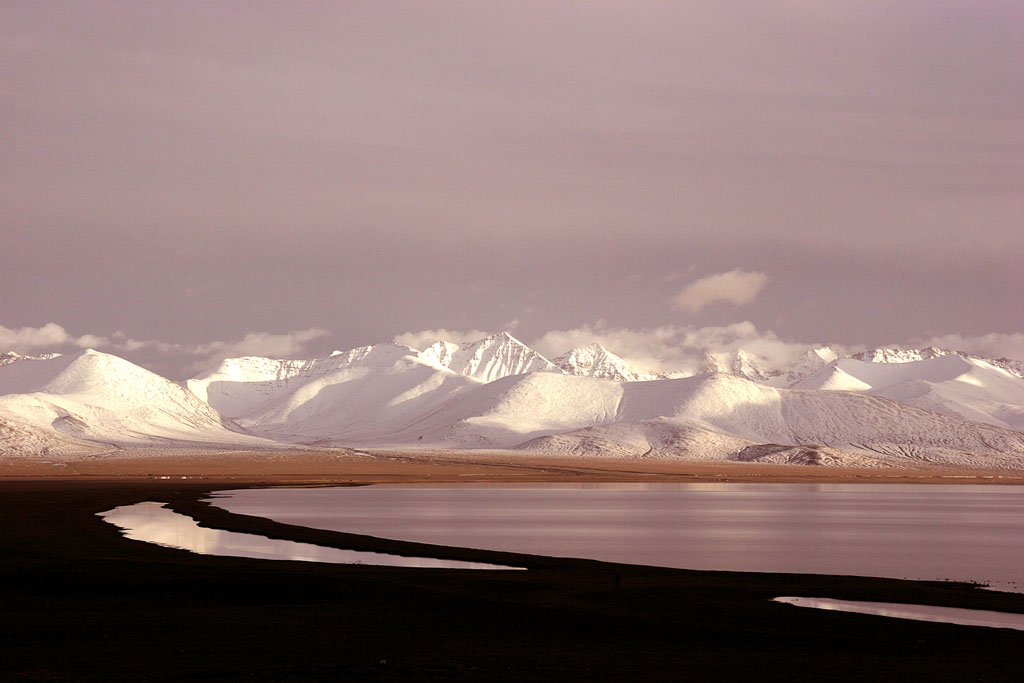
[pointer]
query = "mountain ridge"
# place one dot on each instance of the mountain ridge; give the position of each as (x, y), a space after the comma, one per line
(879, 408)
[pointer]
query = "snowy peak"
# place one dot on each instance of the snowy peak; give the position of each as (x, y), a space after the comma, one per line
(240, 386)
(12, 357)
(884, 355)
(497, 356)
(856, 374)
(85, 372)
(595, 360)
(947, 383)
(98, 397)
(811, 362)
(741, 363)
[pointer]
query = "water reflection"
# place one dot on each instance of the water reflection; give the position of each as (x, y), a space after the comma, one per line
(153, 523)
(946, 615)
(964, 533)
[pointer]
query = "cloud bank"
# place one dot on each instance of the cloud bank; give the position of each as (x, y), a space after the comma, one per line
(735, 286)
(52, 337)
(992, 345)
(424, 338)
(673, 348)
(667, 348)
(48, 337)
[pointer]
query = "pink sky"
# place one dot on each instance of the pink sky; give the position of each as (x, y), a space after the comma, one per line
(193, 172)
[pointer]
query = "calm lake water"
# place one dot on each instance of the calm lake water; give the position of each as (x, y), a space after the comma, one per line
(948, 615)
(970, 533)
(153, 522)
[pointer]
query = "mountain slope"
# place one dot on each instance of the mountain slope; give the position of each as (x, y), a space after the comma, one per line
(239, 387)
(96, 397)
(715, 415)
(497, 356)
(595, 360)
(811, 362)
(358, 396)
(886, 355)
(946, 409)
(11, 357)
(947, 383)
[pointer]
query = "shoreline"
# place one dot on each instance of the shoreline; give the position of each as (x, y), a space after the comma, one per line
(383, 466)
(85, 603)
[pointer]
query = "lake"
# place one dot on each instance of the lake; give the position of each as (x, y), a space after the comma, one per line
(154, 522)
(968, 533)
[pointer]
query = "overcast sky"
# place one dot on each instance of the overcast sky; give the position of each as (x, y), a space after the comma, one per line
(179, 177)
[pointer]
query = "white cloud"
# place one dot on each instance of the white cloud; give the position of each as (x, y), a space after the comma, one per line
(673, 348)
(681, 348)
(993, 345)
(735, 286)
(91, 341)
(50, 336)
(54, 338)
(668, 348)
(260, 344)
(424, 338)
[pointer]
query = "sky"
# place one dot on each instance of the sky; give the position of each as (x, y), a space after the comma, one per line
(181, 181)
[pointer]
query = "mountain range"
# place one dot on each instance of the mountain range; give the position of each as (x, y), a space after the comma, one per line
(882, 408)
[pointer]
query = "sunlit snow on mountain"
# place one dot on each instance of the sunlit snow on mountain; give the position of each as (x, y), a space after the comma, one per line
(882, 408)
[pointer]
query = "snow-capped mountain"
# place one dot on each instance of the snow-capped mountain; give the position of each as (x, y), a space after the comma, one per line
(711, 416)
(721, 416)
(881, 408)
(497, 356)
(97, 398)
(811, 362)
(12, 357)
(595, 360)
(753, 367)
(1014, 367)
(884, 355)
(947, 383)
(372, 394)
(238, 387)
(740, 363)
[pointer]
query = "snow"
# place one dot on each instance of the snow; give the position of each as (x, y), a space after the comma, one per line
(243, 386)
(948, 383)
(67, 401)
(742, 363)
(884, 408)
(12, 357)
(366, 397)
(856, 429)
(595, 360)
(497, 356)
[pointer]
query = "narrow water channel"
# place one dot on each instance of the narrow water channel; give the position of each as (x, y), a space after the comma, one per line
(154, 523)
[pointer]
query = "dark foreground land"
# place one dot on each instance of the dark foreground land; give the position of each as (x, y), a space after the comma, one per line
(79, 602)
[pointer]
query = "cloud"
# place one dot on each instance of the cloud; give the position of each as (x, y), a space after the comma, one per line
(993, 345)
(424, 338)
(735, 286)
(165, 355)
(674, 348)
(260, 344)
(50, 336)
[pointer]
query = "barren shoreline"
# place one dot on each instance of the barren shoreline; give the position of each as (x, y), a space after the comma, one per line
(83, 603)
(385, 466)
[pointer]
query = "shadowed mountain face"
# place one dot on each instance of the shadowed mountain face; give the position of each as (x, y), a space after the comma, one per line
(893, 408)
